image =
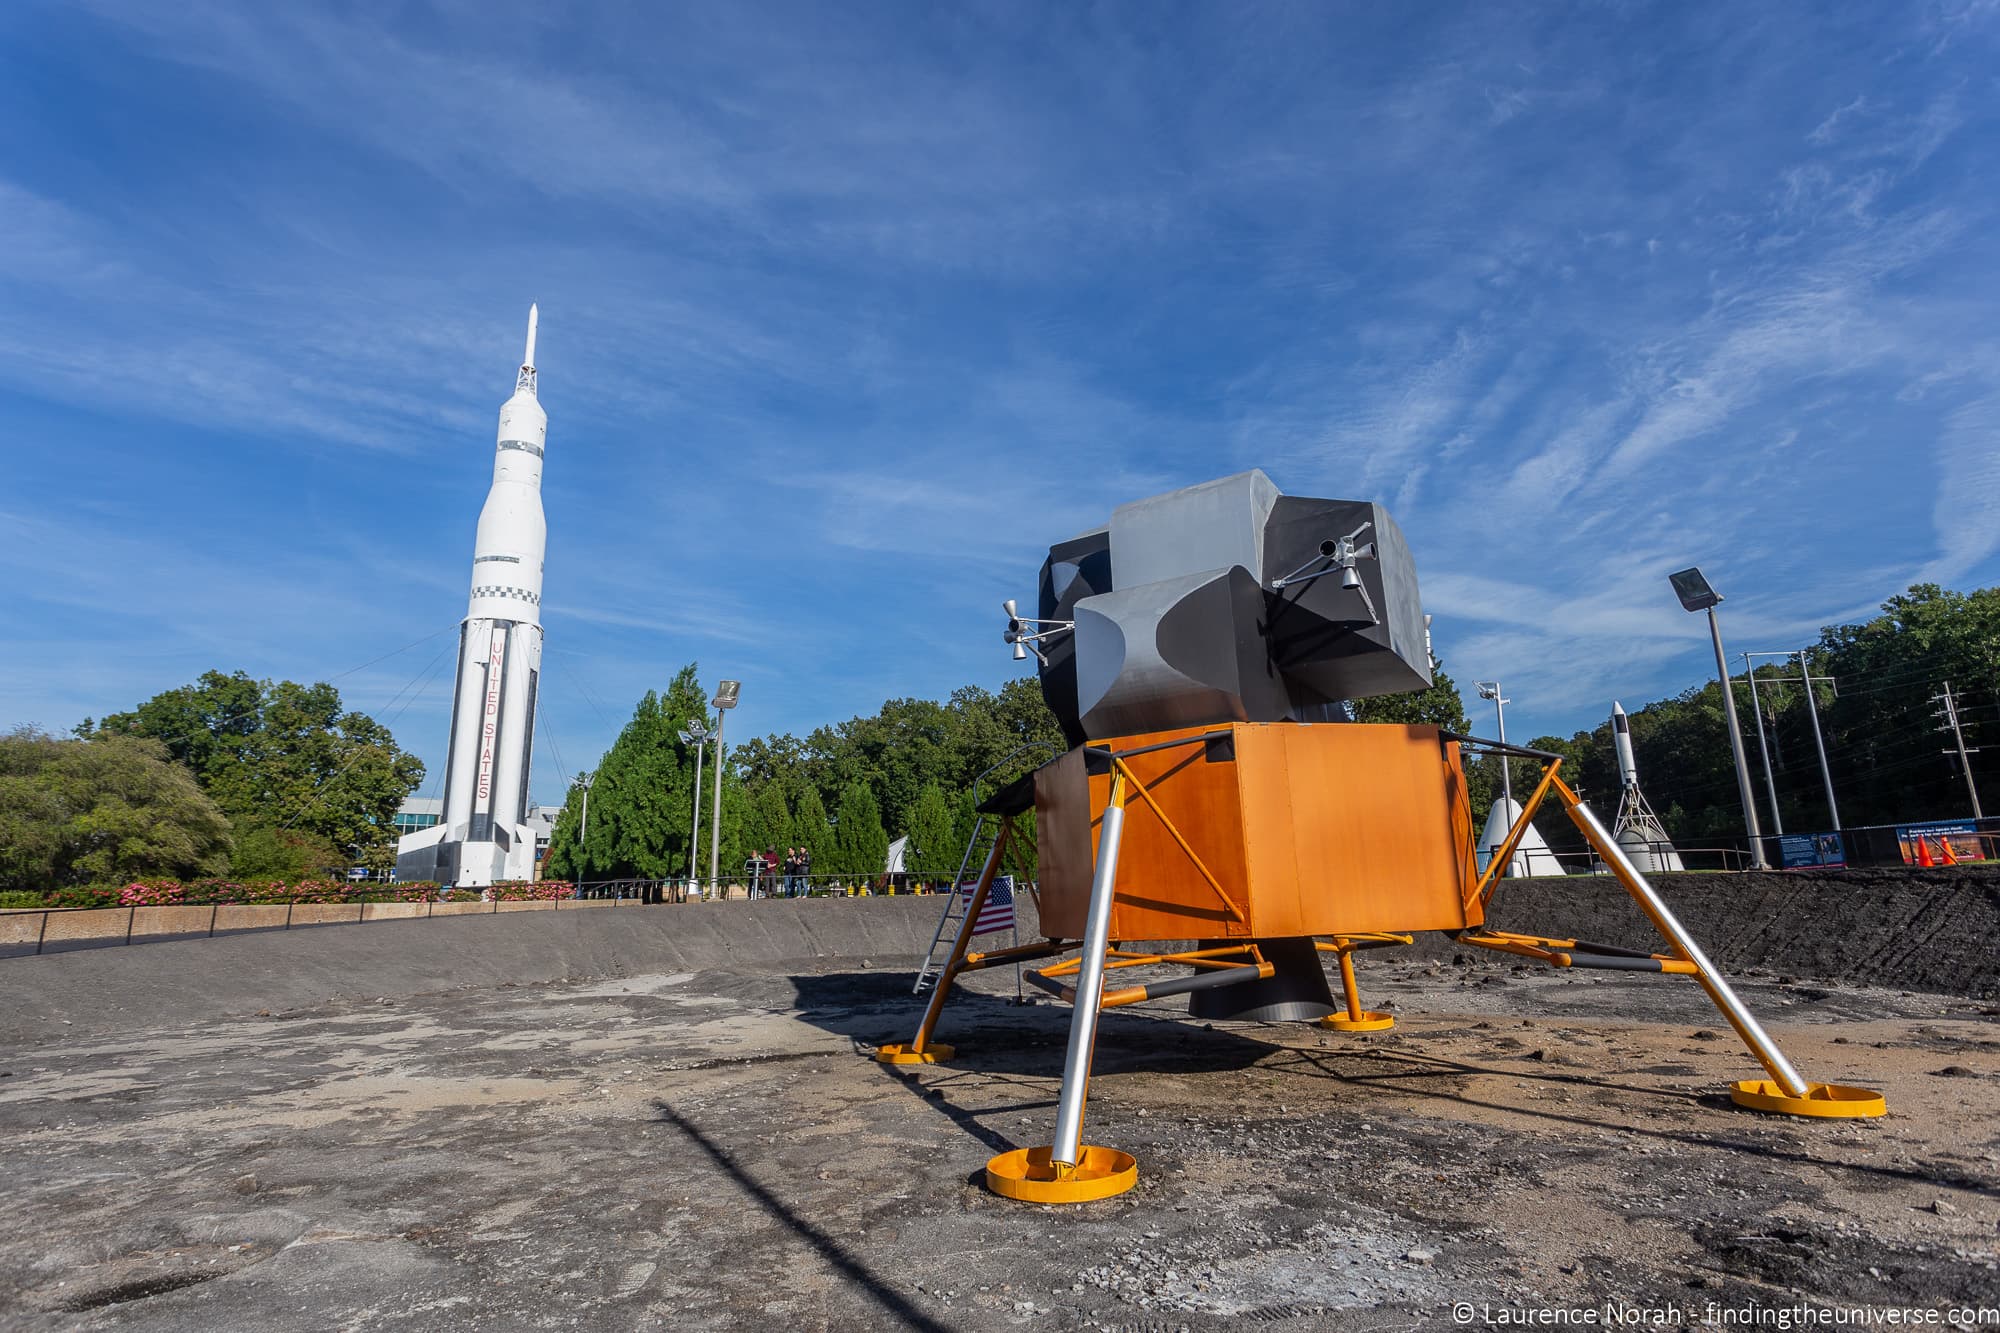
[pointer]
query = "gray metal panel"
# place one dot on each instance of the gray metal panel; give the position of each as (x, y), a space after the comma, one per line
(1175, 652)
(1177, 622)
(1075, 569)
(1211, 526)
(1321, 634)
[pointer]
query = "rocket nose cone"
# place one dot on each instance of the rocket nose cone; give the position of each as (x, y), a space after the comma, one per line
(1617, 709)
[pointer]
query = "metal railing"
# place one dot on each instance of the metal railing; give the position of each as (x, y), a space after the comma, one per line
(1541, 862)
(773, 886)
(43, 915)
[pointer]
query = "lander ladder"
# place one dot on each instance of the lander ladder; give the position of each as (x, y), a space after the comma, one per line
(977, 849)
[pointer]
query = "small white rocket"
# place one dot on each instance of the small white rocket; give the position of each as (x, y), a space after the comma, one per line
(1621, 741)
(1637, 828)
(484, 834)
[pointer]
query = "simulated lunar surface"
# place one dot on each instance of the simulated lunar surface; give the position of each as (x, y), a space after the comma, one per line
(537, 1130)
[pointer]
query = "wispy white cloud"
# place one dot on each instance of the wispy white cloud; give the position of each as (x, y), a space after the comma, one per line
(846, 317)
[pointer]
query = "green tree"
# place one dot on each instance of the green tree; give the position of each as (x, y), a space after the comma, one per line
(100, 810)
(931, 829)
(1439, 705)
(641, 796)
(290, 766)
(767, 822)
(265, 852)
(860, 846)
(813, 830)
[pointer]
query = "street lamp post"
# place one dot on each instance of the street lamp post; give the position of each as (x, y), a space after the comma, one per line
(1490, 689)
(1696, 595)
(696, 733)
(584, 780)
(724, 700)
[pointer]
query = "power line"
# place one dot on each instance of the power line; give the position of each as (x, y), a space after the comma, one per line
(415, 689)
(386, 656)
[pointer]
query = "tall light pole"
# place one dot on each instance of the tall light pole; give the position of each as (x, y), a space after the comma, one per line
(584, 780)
(696, 733)
(1696, 595)
(724, 700)
(1819, 742)
(1763, 747)
(1490, 689)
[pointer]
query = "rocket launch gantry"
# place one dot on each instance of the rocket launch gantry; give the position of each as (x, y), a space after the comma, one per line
(484, 835)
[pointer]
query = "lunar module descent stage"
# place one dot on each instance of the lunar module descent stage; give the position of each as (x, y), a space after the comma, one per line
(1199, 652)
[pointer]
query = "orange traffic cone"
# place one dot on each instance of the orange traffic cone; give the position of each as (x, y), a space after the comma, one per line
(1924, 851)
(1945, 854)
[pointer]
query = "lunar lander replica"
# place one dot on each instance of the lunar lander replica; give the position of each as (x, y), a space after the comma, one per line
(1219, 805)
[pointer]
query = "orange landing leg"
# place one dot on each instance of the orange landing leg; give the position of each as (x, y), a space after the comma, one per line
(1030, 1175)
(1356, 1019)
(1823, 1100)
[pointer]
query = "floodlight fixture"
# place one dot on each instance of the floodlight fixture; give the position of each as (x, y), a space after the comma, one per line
(725, 694)
(1693, 588)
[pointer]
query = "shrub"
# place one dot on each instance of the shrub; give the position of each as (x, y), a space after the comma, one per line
(171, 892)
(547, 890)
(152, 893)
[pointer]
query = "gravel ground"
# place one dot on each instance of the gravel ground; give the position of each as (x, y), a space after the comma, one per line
(714, 1150)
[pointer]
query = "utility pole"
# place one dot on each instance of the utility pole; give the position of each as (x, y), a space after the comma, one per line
(1757, 711)
(1949, 714)
(1819, 741)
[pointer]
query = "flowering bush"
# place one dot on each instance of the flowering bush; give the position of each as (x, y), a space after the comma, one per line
(202, 892)
(546, 890)
(152, 893)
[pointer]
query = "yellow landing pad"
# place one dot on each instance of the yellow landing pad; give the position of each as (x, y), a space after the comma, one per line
(1369, 1021)
(1829, 1100)
(1028, 1174)
(896, 1053)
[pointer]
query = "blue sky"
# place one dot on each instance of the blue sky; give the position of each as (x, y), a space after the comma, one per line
(849, 311)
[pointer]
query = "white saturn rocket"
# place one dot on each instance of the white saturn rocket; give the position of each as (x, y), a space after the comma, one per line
(484, 834)
(1637, 829)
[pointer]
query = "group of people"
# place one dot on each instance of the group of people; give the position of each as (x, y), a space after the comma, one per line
(771, 876)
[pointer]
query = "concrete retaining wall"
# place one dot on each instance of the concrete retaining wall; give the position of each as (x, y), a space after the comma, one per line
(1912, 930)
(1923, 930)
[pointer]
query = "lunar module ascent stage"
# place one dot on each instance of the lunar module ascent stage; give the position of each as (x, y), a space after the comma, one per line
(1218, 804)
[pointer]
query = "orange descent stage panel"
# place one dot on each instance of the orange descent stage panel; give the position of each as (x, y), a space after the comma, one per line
(1307, 829)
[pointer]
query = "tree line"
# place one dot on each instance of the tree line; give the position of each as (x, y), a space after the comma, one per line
(1873, 687)
(842, 792)
(229, 775)
(846, 788)
(277, 780)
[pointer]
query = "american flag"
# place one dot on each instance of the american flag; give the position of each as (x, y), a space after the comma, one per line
(998, 913)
